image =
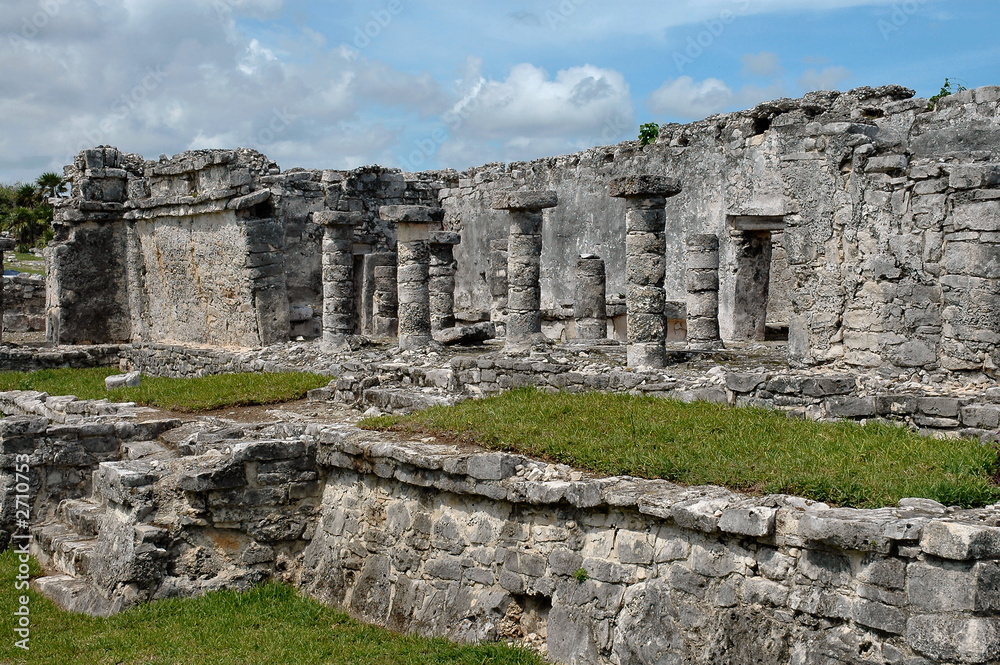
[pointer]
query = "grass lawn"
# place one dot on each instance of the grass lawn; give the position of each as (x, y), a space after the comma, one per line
(750, 450)
(187, 395)
(24, 262)
(269, 624)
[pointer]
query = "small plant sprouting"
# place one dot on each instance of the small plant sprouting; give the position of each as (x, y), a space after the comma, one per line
(648, 133)
(946, 91)
(581, 575)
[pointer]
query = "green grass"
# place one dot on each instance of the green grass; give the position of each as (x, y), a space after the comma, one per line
(269, 624)
(187, 395)
(24, 262)
(750, 450)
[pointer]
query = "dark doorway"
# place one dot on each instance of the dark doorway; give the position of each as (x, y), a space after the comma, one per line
(754, 239)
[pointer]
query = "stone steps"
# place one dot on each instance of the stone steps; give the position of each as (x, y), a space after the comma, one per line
(81, 514)
(60, 548)
(75, 595)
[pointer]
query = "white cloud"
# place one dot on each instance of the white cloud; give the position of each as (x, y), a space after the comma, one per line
(529, 106)
(763, 64)
(687, 99)
(828, 78)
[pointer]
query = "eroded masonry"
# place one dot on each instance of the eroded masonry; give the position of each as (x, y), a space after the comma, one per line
(836, 256)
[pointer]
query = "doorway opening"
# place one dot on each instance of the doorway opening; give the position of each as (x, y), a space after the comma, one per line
(762, 301)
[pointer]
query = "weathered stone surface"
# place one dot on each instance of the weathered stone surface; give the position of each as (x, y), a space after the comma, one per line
(645, 185)
(525, 200)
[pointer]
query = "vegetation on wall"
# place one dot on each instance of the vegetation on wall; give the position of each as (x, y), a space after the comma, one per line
(25, 212)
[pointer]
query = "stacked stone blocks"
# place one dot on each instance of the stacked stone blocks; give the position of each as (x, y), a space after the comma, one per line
(645, 264)
(442, 279)
(339, 310)
(703, 291)
(414, 225)
(524, 261)
(590, 309)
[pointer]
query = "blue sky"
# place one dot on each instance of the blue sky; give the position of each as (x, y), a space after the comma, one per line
(420, 84)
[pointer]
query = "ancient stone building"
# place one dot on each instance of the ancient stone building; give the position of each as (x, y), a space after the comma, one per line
(861, 225)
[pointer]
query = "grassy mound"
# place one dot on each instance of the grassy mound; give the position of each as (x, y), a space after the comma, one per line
(750, 450)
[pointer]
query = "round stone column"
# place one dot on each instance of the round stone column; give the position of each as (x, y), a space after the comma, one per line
(442, 279)
(590, 305)
(338, 276)
(385, 322)
(645, 264)
(414, 225)
(703, 291)
(499, 286)
(524, 262)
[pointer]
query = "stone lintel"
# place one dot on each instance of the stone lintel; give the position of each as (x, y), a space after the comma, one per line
(525, 199)
(413, 231)
(445, 238)
(338, 218)
(401, 214)
(636, 186)
(7, 244)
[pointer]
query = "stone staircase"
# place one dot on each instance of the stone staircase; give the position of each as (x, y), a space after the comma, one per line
(66, 545)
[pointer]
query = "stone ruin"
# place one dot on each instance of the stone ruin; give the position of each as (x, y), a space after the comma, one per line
(834, 256)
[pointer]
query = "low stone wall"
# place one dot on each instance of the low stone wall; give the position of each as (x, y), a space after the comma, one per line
(617, 570)
(184, 361)
(24, 303)
(13, 359)
(426, 537)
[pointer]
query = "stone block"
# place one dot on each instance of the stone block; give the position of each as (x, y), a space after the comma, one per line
(524, 200)
(130, 380)
(958, 541)
(756, 522)
(955, 639)
(945, 407)
(644, 186)
(851, 407)
(741, 382)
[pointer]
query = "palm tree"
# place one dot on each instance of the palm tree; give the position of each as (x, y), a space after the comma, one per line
(26, 196)
(51, 184)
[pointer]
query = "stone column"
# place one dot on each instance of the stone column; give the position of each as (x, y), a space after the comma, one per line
(703, 291)
(499, 285)
(385, 321)
(524, 260)
(442, 279)
(338, 276)
(6, 244)
(645, 264)
(591, 305)
(413, 233)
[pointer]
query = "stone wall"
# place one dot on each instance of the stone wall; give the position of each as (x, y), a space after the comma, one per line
(422, 536)
(864, 222)
(880, 214)
(24, 303)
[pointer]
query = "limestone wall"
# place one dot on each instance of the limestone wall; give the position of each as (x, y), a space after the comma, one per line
(24, 303)
(880, 212)
(423, 536)
(879, 216)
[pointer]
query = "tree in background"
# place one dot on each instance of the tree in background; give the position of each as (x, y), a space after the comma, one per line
(25, 212)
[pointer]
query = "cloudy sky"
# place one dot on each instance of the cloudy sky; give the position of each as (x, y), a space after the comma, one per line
(422, 84)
